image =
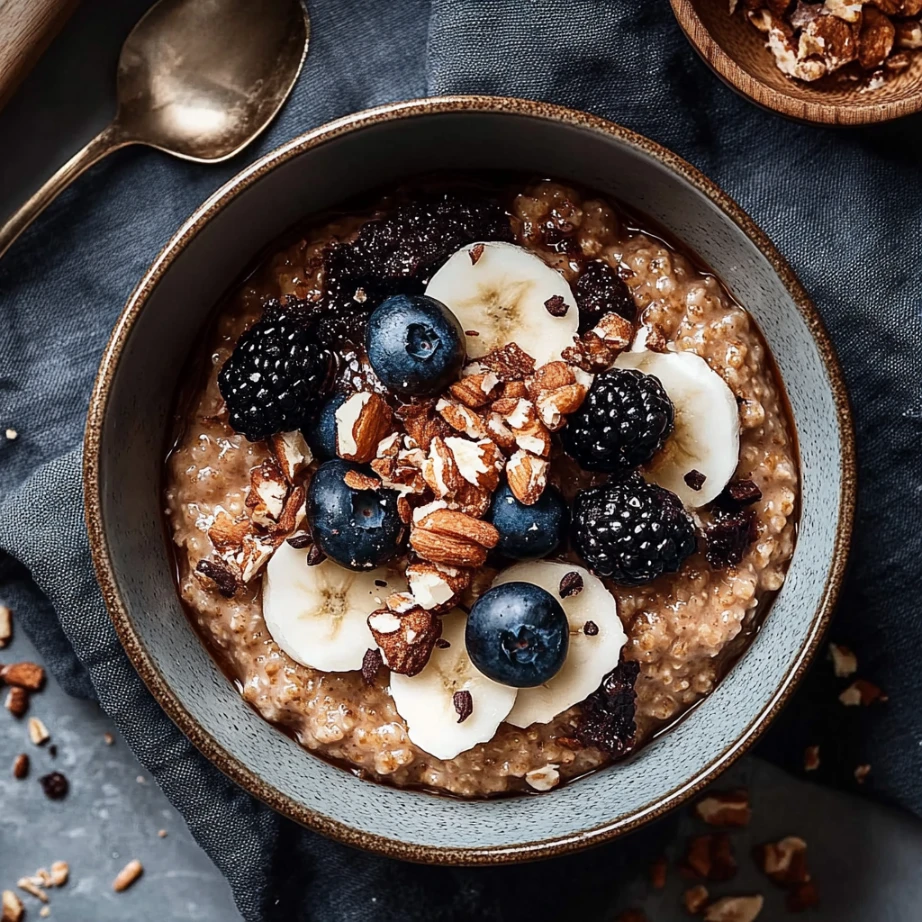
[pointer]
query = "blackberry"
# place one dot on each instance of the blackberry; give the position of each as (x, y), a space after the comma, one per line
(624, 420)
(632, 531)
(397, 253)
(599, 291)
(607, 715)
(276, 375)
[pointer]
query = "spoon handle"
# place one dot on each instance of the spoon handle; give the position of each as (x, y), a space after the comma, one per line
(108, 140)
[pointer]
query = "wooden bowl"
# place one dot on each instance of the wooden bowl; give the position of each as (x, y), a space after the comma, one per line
(736, 51)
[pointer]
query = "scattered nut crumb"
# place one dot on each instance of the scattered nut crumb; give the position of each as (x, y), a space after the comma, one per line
(38, 732)
(695, 899)
(12, 434)
(844, 662)
(161, 833)
(6, 626)
(784, 862)
(45, 911)
(710, 857)
(21, 766)
(861, 772)
(725, 808)
(109, 738)
(734, 909)
(60, 871)
(127, 876)
(811, 758)
(17, 701)
(28, 886)
(861, 691)
(11, 906)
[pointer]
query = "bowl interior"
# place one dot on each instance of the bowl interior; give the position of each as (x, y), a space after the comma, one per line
(142, 368)
(736, 50)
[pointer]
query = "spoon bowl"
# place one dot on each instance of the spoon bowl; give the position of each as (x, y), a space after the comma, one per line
(198, 79)
(202, 80)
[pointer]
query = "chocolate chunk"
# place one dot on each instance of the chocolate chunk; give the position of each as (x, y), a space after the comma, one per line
(464, 705)
(220, 574)
(590, 629)
(728, 536)
(556, 306)
(694, 480)
(371, 663)
(607, 718)
(570, 585)
(21, 766)
(442, 643)
(741, 493)
(54, 785)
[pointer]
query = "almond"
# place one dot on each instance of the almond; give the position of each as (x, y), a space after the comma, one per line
(361, 423)
(471, 500)
(462, 419)
(514, 389)
(406, 640)
(479, 463)
(227, 533)
(452, 538)
(17, 701)
(508, 363)
(527, 477)
(292, 453)
(501, 433)
(435, 587)
(422, 424)
(26, 675)
(522, 418)
(440, 470)
(356, 480)
(266, 497)
(554, 406)
(548, 378)
(475, 390)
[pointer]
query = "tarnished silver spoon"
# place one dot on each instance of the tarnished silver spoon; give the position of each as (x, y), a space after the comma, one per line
(198, 79)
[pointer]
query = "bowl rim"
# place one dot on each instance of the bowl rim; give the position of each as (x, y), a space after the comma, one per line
(235, 769)
(767, 97)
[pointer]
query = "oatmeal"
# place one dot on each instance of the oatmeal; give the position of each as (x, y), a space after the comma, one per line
(498, 582)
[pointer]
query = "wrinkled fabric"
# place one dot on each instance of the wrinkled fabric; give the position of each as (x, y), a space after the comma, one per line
(844, 207)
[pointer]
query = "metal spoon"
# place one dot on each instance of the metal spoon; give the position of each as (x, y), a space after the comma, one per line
(198, 79)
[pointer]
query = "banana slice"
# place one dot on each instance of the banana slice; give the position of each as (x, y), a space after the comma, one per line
(707, 425)
(426, 701)
(318, 615)
(502, 298)
(591, 656)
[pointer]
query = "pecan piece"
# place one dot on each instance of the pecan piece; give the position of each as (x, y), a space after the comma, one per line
(30, 676)
(725, 808)
(527, 477)
(17, 701)
(406, 640)
(477, 390)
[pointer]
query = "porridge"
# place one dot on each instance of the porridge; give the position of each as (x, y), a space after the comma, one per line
(478, 489)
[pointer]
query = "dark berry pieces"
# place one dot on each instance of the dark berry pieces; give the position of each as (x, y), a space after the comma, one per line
(276, 375)
(600, 291)
(728, 536)
(359, 529)
(397, 254)
(607, 715)
(624, 420)
(517, 634)
(528, 532)
(632, 531)
(415, 345)
(321, 434)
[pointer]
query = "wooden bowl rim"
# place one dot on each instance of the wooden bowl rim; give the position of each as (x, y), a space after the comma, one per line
(767, 97)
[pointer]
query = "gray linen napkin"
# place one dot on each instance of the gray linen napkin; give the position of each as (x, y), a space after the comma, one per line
(843, 206)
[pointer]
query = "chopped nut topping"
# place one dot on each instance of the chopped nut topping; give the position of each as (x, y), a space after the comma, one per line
(127, 876)
(38, 732)
(475, 391)
(453, 538)
(356, 480)
(219, 573)
(30, 676)
(60, 871)
(292, 453)
(543, 779)
(12, 434)
(266, 497)
(463, 703)
(725, 808)
(406, 640)
(695, 899)
(508, 363)
(361, 423)
(734, 909)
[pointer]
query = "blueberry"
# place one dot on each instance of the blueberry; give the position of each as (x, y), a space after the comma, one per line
(517, 634)
(415, 345)
(528, 532)
(359, 529)
(321, 436)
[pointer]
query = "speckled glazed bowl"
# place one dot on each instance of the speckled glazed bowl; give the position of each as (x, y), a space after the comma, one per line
(164, 316)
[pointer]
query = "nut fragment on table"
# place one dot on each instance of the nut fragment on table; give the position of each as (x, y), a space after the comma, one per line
(127, 876)
(734, 909)
(11, 906)
(6, 626)
(725, 808)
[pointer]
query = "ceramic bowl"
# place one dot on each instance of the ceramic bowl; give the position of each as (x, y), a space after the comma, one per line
(163, 318)
(736, 52)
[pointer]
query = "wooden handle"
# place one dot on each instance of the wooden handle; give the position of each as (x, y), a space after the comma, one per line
(26, 29)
